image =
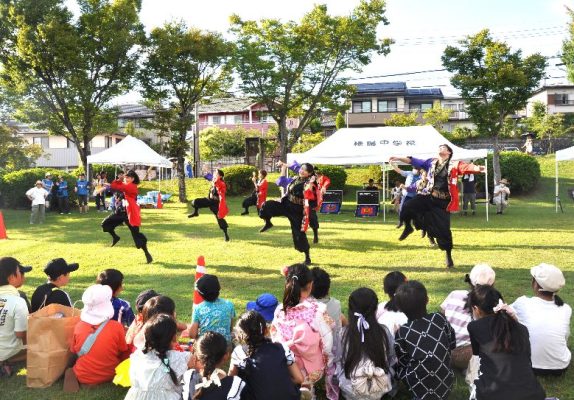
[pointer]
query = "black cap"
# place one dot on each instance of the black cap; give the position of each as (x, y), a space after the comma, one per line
(208, 287)
(10, 264)
(59, 266)
(143, 297)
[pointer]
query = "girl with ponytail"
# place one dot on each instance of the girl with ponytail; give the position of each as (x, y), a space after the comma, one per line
(156, 371)
(303, 325)
(503, 347)
(207, 381)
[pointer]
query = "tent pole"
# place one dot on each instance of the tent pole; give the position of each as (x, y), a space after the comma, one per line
(556, 199)
(159, 170)
(384, 195)
(486, 186)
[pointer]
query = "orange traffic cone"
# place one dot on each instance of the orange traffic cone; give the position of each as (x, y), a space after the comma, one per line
(200, 270)
(2, 227)
(159, 202)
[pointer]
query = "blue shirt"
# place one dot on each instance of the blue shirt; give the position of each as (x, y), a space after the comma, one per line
(82, 186)
(47, 184)
(123, 307)
(410, 183)
(214, 316)
(63, 189)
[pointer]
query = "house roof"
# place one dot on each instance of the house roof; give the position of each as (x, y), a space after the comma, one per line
(368, 88)
(226, 105)
(550, 87)
(430, 92)
(134, 111)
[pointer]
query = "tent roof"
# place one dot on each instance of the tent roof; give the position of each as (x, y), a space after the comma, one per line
(376, 145)
(130, 151)
(565, 154)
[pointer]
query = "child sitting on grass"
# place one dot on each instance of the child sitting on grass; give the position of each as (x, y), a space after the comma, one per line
(213, 314)
(137, 324)
(157, 370)
(268, 369)
(207, 381)
(387, 312)
(423, 345)
(122, 310)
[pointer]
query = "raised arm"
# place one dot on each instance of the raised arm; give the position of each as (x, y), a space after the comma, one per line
(404, 160)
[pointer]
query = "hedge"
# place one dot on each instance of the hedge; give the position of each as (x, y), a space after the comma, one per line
(521, 170)
(238, 179)
(110, 171)
(376, 173)
(14, 185)
(336, 174)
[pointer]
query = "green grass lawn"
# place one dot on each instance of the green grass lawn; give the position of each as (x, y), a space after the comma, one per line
(356, 252)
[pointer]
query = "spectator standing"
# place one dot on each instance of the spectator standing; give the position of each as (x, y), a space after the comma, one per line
(500, 196)
(82, 189)
(63, 195)
(13, 314)
(47, 183)
(100, 191)
(468, 193)
(38, 195)
(548, 321)
(58, 271)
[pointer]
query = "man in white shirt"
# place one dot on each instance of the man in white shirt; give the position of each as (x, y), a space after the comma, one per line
(13, 313)
(500, 196)
(37, 195)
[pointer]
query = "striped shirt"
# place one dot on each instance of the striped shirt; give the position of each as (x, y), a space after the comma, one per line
(457, 316)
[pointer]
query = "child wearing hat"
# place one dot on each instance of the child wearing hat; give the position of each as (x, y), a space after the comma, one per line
(213, 314)
(58, 271)
(13, 314)
(264, 305)
(547, 319)
(98, 340)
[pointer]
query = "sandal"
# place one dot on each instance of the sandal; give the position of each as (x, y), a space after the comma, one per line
(6, 370)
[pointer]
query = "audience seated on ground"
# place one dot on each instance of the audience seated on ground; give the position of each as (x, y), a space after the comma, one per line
(138, 322)
(58, 271)
(98, 340)
(265, 304)
(387, 312)
(13, 314)
(122, 310)
(458, 313)
(548, 321)
(156, 305)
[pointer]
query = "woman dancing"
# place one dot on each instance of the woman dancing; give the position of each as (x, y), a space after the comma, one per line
(299, 198)
(431, 212)
(127, 191)
(259, 195)
(215, 200)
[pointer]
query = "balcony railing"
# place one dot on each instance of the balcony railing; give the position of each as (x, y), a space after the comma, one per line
(562, 102)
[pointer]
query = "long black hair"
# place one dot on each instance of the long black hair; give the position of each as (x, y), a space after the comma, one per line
(390, 285)
(132, 174)
(158, 305)
(210, 349)
(159, 333)
(250, 329)
(375, 346)
(297, 278)
(505, 329)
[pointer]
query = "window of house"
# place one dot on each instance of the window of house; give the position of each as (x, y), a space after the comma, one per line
(108, 140)
(266, 118)
(420, 106)
(43, 141)
(214, 120)
(387, 106)
(363, 106)
(233, 119)
(562, 98)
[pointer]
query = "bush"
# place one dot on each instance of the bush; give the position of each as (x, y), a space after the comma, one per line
(337, 174)
(376, 173)
(110, 171)
(14, 185)
(238, 179)
(521, 170)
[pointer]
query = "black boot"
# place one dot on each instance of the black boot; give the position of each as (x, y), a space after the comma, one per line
(315, 236)
(115, 238)
(246, 212)
(406, 232)
(423, 234)
(400, 224)
(307, 259)
(226, 235)
(194, 214)
(148, 256)
(268, 225)
(449, 261)
(432, 242)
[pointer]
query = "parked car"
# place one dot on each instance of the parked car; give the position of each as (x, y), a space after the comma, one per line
(510, 148)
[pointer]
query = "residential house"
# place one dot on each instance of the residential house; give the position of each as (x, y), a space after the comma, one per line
(374, 103)
(459, 116)
(558, 99)
(230, 113)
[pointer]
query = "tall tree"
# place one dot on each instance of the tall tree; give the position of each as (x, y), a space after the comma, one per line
(546, 126)
(182, 67)
(340, 121)
(64, 70)
(15, 152)
(296, 69)
(494, 82)
(568, 48)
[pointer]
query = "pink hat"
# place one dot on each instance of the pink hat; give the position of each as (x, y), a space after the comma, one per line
(98, 306)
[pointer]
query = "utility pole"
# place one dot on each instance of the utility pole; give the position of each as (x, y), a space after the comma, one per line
(196, 160)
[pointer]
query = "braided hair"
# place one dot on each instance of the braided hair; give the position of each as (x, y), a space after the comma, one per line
(159, 334)
(297, 277)
(250, 329)
(209, 350)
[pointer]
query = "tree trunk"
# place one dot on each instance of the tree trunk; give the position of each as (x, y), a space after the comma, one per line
(496, 161)
(84, 152)
(283, 138)
(181, 168)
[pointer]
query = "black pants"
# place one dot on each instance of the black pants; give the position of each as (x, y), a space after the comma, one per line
(64, 204)
(250, 201)
(114, 220)
(429, 213)
(101, 201)
(293, 212)
(313, 221)
(213, 205)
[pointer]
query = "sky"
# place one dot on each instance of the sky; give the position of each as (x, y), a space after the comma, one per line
(421, 29)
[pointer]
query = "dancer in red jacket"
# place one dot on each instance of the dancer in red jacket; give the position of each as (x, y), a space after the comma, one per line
(259, 195)
(431, 211)
(215, 201)
(323, 183)
(127, 211)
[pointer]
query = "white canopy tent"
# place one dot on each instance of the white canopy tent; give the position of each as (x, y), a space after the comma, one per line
(130, 151)
(562, 155)
(368, 146)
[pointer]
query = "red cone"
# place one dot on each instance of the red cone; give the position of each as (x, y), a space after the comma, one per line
(200, 270)
(159, 202)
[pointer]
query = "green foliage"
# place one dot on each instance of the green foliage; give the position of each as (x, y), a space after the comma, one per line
(437, 116)
(340, 121)
(14, 185)
(307, 141)
(63, 70)
(336, 174)
(15, 152)
(403, 119)
(568, 48)
(521, 170)
(375, 172)
(216, 143)
(546, 126)
(238, 179)
(295, 68)
(315, 125)
(110, 171)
